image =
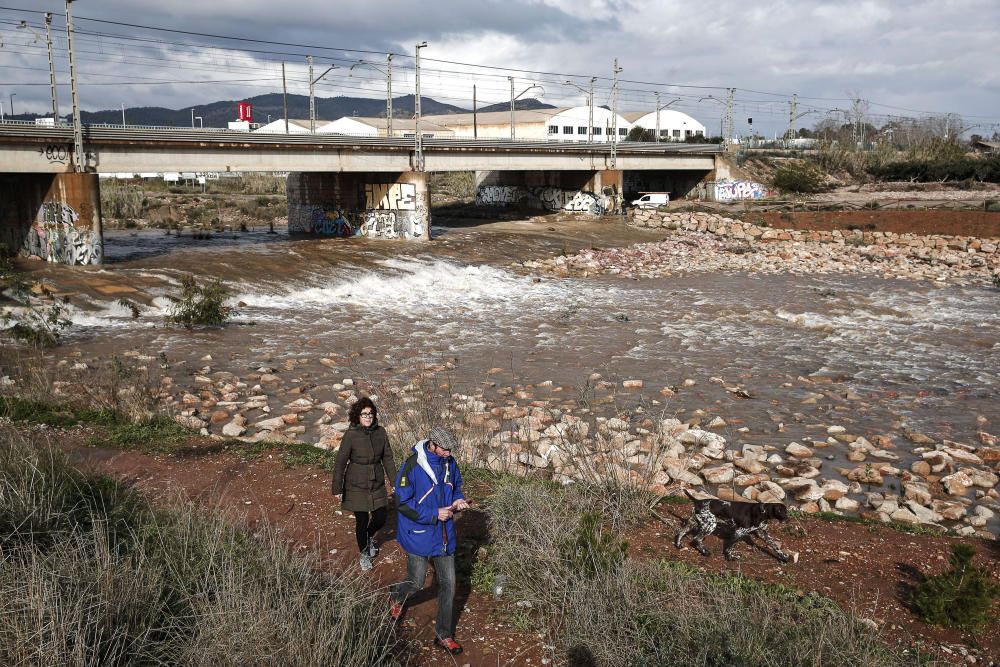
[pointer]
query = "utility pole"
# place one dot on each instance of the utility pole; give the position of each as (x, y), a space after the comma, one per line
(388, 95)
(312, 97)
(52, 68)
(511, 79)
(284, 94)
(418, 156)
(614, 115)
(793, 107)
(77, 124)
(657, 138)
(728, 130)
(475, 128)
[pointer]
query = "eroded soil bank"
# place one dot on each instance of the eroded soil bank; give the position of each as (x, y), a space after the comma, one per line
(984, 224)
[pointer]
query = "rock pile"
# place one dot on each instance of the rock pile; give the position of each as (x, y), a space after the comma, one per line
(948, 484)
(712, 242)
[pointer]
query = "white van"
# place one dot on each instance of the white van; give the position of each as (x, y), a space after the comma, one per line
(652, 200)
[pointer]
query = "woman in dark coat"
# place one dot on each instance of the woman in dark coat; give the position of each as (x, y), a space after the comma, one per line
(364, 463)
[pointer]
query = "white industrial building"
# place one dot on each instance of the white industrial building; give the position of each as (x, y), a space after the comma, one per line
(674, 125)
(378, 127)
(295, 126)
(565, 124)
(562, 124)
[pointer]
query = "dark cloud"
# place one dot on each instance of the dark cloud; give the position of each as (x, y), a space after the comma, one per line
(921, 56)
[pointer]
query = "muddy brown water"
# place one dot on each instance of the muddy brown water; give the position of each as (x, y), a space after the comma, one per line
(869, 354)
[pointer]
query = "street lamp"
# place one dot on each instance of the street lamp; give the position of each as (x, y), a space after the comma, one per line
(614, 115)
(388, 87)
(312, 96)
(52, 69)
(515, 97)
(201, 124)
(419, 147)
(590, 105)
(658, 110)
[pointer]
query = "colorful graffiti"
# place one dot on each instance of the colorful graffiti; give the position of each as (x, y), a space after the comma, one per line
(732, 190)
(391, 196)
(545, 198)
(303, 219)
(55, 237)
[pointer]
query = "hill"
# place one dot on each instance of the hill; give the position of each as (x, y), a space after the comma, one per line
(217, 114)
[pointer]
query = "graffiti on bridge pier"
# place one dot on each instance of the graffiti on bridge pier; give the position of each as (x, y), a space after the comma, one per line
(392, 225)
(730, 190)
(543, 197)
(55, 237)
(391, 196)
(304, 219)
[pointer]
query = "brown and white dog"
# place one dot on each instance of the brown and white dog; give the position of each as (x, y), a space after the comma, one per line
(733, 522)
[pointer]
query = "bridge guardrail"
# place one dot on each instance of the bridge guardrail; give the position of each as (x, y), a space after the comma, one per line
(98, 132)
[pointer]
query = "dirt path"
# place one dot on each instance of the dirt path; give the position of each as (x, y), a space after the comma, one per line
(868, 569)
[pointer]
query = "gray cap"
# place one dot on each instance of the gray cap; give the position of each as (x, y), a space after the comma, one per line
(443, 438)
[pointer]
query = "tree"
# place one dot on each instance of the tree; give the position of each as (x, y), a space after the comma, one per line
(639, 133)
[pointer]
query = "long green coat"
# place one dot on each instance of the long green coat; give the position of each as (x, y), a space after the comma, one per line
(363, 463)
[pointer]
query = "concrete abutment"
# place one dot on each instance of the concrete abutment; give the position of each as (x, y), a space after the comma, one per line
(55, 217)
(383, 205)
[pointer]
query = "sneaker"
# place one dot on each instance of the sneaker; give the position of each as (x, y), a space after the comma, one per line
(372, 549)
(395, 610)
(449, 645)
(366, 562)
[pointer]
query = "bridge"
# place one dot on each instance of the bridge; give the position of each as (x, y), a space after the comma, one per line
(337, 185)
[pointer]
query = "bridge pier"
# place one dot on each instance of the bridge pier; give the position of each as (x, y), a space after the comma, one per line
(55, 217)
(387, 205)
(594, 192)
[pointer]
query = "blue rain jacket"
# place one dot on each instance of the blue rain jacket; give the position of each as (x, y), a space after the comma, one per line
(425, 483)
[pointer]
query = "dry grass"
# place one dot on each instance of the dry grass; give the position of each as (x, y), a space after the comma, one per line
(599, 607)
(94, 575)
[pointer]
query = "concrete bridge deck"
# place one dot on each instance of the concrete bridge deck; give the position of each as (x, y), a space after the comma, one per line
(35, 149)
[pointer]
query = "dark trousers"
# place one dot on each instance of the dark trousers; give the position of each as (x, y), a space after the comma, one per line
(416, 571)
(366, 524)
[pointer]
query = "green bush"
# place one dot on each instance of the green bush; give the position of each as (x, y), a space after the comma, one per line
(962, 597)
(799, 178)
(38, 317)
(945, 169)
(201, 305)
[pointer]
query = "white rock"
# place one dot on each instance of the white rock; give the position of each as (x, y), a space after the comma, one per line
(798, 451)
(723, 474)
(236, 427)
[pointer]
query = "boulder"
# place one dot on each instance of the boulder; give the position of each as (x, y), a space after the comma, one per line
(723, 474)
(798, 451)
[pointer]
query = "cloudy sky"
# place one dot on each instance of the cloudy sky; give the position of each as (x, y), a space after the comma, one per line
(904, 59)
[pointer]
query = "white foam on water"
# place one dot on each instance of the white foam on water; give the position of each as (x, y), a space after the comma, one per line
(433, 288)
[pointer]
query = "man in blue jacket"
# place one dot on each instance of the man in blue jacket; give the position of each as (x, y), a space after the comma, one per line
(428, 494)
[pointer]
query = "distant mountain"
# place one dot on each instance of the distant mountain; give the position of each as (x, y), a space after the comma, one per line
(218, 114)
(527, 104)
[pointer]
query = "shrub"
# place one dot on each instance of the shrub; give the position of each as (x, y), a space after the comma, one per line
(799, 178)
(201, 305)
(962, 597)
(38, 318)
(583, 589)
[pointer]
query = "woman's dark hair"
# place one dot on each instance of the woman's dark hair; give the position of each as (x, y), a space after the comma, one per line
(354, 415)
